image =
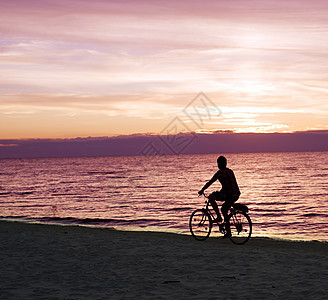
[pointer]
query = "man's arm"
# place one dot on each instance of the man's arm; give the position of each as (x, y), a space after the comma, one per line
(208, 184)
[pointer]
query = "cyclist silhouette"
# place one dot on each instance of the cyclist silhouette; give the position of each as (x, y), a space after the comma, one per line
(229, 192)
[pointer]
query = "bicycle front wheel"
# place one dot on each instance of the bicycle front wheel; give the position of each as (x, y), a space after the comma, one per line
(240, 227)
(200, 224)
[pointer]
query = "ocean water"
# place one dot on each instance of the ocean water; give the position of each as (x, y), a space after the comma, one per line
(287, 193)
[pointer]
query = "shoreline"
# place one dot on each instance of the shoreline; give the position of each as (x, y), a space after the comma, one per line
(282, 238)
(75, 262)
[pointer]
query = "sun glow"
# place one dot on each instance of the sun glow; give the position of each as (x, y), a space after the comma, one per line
(251, 87)
(263, 129)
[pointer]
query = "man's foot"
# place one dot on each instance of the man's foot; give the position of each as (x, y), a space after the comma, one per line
(226, 236)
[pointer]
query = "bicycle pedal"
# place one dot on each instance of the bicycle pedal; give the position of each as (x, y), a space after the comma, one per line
(222, 228)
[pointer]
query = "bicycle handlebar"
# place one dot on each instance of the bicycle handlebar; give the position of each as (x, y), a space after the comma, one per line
(203, 194)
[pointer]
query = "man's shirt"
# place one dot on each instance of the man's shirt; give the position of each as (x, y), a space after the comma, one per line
(229, 183)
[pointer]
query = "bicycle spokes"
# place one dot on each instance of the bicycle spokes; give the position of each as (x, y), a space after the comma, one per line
(200, 224)
(240, 227)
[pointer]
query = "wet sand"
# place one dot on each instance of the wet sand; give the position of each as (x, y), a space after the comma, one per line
(71, 262)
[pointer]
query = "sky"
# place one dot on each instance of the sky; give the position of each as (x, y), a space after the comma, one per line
(76, 68)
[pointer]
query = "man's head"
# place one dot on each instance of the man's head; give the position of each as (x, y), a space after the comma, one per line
(222, 162)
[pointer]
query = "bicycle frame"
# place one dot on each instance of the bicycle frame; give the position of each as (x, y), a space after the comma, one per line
(206, 207)
(221, 224)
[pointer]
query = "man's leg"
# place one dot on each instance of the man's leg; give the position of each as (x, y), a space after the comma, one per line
(212, 200)
(226, 206)
(224, 209)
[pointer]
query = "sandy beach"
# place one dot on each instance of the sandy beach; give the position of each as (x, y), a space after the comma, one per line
(71, 262)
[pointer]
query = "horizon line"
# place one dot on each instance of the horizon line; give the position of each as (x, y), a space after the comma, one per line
(152, 134)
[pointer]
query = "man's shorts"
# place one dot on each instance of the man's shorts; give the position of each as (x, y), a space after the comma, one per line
(219, 196)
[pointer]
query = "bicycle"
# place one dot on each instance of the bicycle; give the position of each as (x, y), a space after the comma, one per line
(239, 223)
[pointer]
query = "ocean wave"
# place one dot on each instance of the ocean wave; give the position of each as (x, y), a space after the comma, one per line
(104, 172)
(33, 205)
(180, 208)
(23, 193)
(319, 175)
(271, 203)
(5, 193)
(87, 221)
(311, 215)
(290, 168)
(268, 210)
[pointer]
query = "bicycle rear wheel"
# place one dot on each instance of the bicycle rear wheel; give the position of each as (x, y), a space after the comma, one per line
(240, 227)
(200, 224)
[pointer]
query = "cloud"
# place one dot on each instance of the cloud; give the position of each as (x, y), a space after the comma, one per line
(147, 144)
(148, 60)
(144, 106)
(8, 145)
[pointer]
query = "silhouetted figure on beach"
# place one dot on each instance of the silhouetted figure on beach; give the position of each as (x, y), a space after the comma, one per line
(229, 192)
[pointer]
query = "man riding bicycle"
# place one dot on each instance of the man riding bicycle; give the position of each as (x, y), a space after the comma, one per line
(229, 192)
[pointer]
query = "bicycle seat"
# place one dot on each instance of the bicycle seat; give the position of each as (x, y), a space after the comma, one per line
(241, 207)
